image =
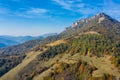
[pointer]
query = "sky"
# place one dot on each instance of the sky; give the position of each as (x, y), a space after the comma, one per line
(37, 17)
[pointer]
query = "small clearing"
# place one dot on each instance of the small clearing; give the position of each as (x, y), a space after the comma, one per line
(57, 42)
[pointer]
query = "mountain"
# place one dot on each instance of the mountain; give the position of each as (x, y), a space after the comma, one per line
(26, 46)
(100, 23)
(18, 49)
(11, 40)
(87, 50)
(6, 41)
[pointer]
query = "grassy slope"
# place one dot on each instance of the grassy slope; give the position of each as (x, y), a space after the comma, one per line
(51, 61)
(13, 73)
(30, 57)
(64, 58)
(103, 64)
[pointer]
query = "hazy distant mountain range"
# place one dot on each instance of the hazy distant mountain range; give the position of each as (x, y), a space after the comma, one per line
(6, 41)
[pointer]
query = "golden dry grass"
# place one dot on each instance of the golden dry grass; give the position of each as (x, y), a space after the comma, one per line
(57, 42)
(103, 64)
(64, 59)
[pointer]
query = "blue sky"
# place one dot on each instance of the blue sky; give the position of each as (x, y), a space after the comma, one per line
(36, 17)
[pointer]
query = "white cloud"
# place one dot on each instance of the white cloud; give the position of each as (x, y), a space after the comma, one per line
(32, 13)
(36, 11)
(69, 4)
(77, 6)
(64, 4)
(26, 13)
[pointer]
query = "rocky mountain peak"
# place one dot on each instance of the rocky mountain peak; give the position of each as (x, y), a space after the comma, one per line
(100, 17)
(101, 14)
